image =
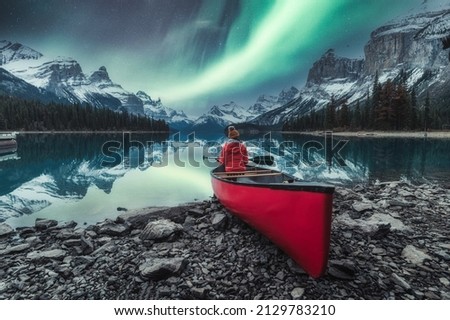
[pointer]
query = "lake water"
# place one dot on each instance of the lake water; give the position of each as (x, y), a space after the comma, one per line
(87, 177)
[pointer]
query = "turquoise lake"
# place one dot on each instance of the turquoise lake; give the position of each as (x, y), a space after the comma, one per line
(87, 177)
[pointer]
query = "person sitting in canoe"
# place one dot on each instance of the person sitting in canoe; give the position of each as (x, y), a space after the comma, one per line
(234, 155)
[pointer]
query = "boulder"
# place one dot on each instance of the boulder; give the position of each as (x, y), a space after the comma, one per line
(5, 229)
(161, 230)
(157, 269)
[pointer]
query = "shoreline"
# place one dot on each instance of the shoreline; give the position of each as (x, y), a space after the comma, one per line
(380, 134)
(388, 241)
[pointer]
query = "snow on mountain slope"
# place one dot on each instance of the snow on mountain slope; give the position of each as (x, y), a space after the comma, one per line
(411, 46)
(177, 120)
(221, 116)
(15, 51)
(64, 78)
(266, 103)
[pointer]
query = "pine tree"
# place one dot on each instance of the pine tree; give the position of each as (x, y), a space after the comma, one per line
(344, 116)
(2, 122)
(426, 113)
(412, 115)
(330, 115)
(376, 97)
(357, 117)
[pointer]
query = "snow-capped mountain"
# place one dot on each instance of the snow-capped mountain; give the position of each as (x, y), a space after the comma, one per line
(178, 120)
(221, 116)
(13, 86)
(266, 103)
(65, 78)
(15, 51)
(29, 74)
(411, 46)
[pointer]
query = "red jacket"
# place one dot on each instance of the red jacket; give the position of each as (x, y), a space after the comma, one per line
(234, 156)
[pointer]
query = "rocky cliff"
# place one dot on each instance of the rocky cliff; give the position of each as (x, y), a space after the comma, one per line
(411, 46)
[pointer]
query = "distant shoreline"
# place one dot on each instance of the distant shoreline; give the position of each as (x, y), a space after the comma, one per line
(381, 134)
(81, 131)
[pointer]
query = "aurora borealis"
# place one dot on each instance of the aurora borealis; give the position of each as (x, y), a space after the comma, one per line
(195, 53)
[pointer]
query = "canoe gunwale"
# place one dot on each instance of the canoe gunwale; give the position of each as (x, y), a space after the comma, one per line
(292, 185)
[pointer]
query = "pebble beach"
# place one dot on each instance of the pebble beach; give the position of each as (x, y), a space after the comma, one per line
(388, 241)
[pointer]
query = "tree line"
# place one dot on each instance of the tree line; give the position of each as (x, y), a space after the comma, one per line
(19, 114)
(390, 106)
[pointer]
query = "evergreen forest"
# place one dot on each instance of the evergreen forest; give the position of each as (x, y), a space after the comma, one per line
(24, 115)
(389, 107)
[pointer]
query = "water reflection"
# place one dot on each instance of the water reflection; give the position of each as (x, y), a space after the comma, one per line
(384, 159)
(71, 177)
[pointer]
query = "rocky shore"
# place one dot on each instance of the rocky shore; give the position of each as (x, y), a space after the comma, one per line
(388, 241)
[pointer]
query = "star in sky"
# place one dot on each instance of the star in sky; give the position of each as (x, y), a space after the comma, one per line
(195, 53)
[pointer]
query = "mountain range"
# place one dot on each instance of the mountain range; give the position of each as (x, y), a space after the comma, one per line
(411, 47)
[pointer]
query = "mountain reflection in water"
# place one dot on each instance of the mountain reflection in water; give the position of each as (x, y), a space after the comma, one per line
(69, 176)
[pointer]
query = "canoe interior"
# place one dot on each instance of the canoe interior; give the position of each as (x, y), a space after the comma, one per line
(268, 178)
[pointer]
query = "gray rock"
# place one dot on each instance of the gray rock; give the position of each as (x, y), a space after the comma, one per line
(66, 234)
(72, 243)
(3, 287)
(219, 240)
(405, 193)
(196, 212)
(162, 268)
(381, 231)
(378, 251)
(43, 224)
(199, 293)
(400, 281)
(112, 229)
(5, 229)
(362, 206)
(297, 293)
(445, 281)
(56, 254)
(342, 270)
(87, 245)
(280, 275)
(161, 230)
(219, 221)
(414, 255)
(189, 222)
(397, 203)
(432, 296)
(15, 249)
(138, 218)
(443, 255)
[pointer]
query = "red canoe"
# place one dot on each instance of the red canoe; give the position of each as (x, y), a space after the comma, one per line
(296, 216)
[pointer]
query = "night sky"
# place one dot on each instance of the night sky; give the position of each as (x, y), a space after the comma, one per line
(194, 53)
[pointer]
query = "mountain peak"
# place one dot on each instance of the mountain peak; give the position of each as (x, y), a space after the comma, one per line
(329, 52)
(331, 66)
(13, 51)
(101, 75)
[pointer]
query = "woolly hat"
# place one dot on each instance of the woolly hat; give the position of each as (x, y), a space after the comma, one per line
(233, 133)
